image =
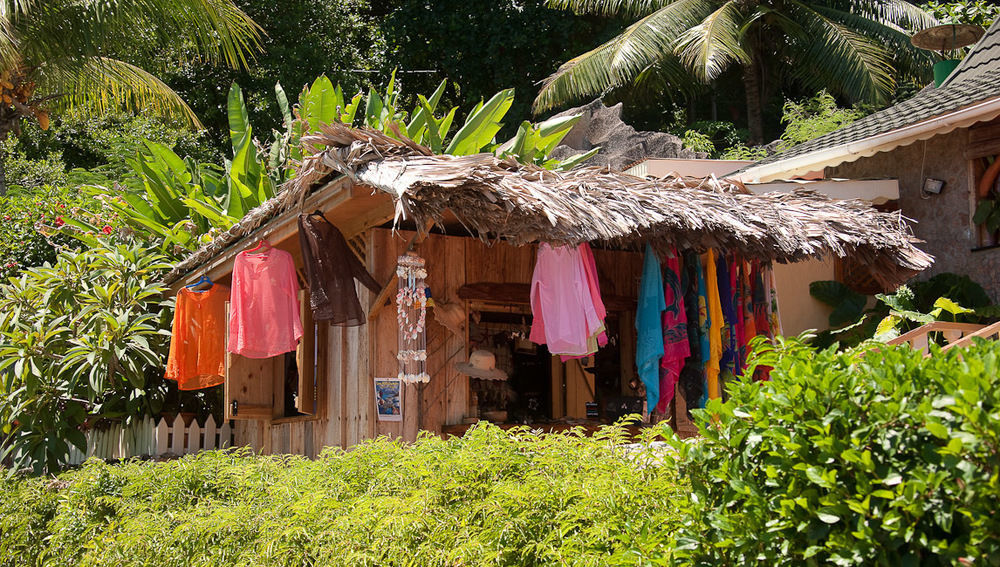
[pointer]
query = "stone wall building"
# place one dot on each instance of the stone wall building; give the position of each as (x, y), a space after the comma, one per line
(948, 133)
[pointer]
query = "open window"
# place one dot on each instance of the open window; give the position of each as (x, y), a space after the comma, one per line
(281, 387)
(983, 153)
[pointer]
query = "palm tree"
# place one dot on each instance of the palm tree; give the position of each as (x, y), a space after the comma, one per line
(852, 48)
(58, 55)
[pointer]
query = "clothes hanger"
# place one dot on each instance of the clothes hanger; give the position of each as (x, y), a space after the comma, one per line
(204, 279)
(262, 244)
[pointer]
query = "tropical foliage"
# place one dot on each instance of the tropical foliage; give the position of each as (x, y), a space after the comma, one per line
(24, 212)
(944, 297)
(345, 39)
(814, 117)
(493, 497)
(77, 341)
(182, 203)
(866, 457)
(60, 54)
(854, 49)
(976, 12)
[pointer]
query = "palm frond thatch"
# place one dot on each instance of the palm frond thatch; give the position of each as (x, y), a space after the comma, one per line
(523, 203)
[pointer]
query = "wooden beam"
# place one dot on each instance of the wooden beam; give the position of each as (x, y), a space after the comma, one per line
(275, 230)
(521, 293)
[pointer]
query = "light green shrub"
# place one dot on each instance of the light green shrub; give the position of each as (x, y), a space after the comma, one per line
(877, 457)
(490, 498)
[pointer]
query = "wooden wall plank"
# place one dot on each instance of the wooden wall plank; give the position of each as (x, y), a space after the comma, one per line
(383, 331)
(352, 377)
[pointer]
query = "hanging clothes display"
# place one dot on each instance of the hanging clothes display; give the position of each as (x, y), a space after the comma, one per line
(772, 302)
(762, 324)
(197, 357)
(331, 268)
(649, 327)
(692, 378)
(739, 304)
(599, 336)
(411, 312)
(676, 347)
(730, 351)
(746, 291)
(715, 322)
(564, 313)
(264, 309)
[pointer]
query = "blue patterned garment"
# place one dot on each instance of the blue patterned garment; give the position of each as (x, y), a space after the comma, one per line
(649, 327)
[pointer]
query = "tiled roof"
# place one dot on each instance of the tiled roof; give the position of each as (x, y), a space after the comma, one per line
(984, 56)
(976, 79)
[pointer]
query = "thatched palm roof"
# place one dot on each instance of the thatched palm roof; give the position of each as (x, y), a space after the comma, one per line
(497, 198)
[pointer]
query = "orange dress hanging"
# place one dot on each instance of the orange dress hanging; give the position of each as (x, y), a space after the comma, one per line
(198, 346)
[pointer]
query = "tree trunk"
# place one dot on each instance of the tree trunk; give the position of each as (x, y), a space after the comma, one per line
(755, 110)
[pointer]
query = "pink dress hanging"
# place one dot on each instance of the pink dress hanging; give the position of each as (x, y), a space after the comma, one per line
(565, 317)
(264, 309)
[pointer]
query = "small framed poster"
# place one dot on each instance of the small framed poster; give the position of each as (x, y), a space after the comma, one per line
(389, 399)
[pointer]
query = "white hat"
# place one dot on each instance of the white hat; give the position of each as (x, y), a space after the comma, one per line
(482, 364)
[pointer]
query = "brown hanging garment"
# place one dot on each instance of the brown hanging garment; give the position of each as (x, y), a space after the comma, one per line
(331, 268)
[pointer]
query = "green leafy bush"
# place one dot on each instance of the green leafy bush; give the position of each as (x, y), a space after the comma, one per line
(105, 143)
(490, 498)
(877, 457)
(977, 12)
(813, 117)
(698, 142)
(78, 340)
(744, 152)
(944, 297)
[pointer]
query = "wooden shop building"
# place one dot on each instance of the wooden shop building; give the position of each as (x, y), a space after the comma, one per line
(477, 221)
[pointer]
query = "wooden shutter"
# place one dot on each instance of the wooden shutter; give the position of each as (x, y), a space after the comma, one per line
(249, 391)
(305, 358)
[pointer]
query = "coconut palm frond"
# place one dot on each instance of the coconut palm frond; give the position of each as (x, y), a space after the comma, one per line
(840, 59)
(714, 44)
(909, 60)
(100, 83)
(215, 29)
(615, 8)
(621, 59)
(10, 9)
(899, 13)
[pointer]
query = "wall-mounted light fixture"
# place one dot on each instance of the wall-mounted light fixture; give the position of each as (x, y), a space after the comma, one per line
(932, 186)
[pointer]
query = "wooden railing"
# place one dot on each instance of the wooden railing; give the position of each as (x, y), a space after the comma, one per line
(956, 335)
(153, 438)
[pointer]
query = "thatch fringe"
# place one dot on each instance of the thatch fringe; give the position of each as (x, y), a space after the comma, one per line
(497, 198)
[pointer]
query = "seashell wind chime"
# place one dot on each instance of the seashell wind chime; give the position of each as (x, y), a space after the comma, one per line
(411, 312)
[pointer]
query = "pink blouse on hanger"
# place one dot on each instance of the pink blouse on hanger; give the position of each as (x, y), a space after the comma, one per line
(564, 314)
(264, 306)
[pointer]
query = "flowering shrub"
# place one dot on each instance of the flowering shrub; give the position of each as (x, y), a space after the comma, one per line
(28, 235)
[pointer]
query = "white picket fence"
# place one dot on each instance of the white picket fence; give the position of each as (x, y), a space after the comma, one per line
(153, 438)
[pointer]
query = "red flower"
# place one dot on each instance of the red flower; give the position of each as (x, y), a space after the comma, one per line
(107, 229)
(60, 221)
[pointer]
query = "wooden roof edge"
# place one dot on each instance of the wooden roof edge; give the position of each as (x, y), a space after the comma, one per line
(271, 220)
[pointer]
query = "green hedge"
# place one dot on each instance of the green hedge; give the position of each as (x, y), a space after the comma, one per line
(490, 498)
(877, 457)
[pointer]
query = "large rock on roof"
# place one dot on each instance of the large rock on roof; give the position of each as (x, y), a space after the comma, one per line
(621, 145)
